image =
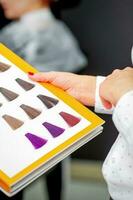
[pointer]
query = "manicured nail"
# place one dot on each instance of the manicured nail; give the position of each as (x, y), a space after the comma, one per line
(31, 73)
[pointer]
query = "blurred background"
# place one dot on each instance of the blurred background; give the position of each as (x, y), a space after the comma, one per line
(104, 31)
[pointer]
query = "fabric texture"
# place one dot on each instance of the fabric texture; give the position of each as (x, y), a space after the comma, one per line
(118, 166)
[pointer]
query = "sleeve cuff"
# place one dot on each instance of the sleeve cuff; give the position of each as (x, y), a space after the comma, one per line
(99, 108)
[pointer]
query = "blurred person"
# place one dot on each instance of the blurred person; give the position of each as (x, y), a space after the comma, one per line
(38, 37)
(47, 44)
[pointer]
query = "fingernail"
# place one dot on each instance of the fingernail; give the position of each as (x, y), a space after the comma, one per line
(31, 73)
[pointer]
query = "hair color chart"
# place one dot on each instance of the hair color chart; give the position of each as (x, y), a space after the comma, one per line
(39, 124)
(33, 120)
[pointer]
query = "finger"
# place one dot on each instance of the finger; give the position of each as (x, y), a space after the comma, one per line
(116, 71)
(128, 68)
(106, 104)
(43, 77)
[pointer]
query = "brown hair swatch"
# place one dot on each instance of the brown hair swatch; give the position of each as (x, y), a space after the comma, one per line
(4, 67)
(31, 112)
(13, 122)
(49, 102)
(8, 94)
(24, 84)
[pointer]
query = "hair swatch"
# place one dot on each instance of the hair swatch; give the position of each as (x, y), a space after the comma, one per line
(70, 119)
(14, 123)
(0, 104)
(31, 112)
(54, 130)
(49, 102)
(8, 94)
(4, 67)
(36, 141)
(24, 84)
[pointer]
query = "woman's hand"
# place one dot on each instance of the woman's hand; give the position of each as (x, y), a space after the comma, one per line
(116, 85)
(81, 87)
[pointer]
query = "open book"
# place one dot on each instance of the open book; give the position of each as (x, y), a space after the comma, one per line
(40, 124)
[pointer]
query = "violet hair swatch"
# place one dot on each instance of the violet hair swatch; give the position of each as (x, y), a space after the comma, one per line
(70, 119)
(54, 130)
(8, 94)
(49, 102)
(30, 111)
(24, 84)
(13, 122)
(4, 67)
(35, 140)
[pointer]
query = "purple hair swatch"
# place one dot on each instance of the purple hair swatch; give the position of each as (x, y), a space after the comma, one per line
(54, 130)
(36, 141)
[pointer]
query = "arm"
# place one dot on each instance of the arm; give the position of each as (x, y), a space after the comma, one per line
(123, 117)
(81, 87)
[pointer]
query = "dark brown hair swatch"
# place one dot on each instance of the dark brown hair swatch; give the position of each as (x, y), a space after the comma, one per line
(49, 102)
(24, 84)
(4, 67)
(8, 94)
(13, 122)
(31, 112)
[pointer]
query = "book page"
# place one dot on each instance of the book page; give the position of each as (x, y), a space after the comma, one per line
(33, 120)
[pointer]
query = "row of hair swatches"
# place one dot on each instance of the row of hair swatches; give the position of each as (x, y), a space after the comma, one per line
(10, 95)
(16, 123)
(55, 131)
(48, 101)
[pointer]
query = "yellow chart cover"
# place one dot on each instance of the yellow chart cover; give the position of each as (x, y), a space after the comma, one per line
(37, 121)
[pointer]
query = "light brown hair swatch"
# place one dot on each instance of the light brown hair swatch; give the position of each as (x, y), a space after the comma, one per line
(13, 122)
(8, 94)
(4, 67)
(24, 84)
(30, 111)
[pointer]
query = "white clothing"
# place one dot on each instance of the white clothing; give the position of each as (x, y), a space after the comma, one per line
(44, 42)
(118, 166)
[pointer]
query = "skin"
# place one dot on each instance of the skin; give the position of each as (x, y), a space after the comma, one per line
(116, 85)
(79, 86)
(83, 87)
(14, 9)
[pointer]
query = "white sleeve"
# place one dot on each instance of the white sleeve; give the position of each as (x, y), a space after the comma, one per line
(99, 108)
(123, 117)
(132, 55)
